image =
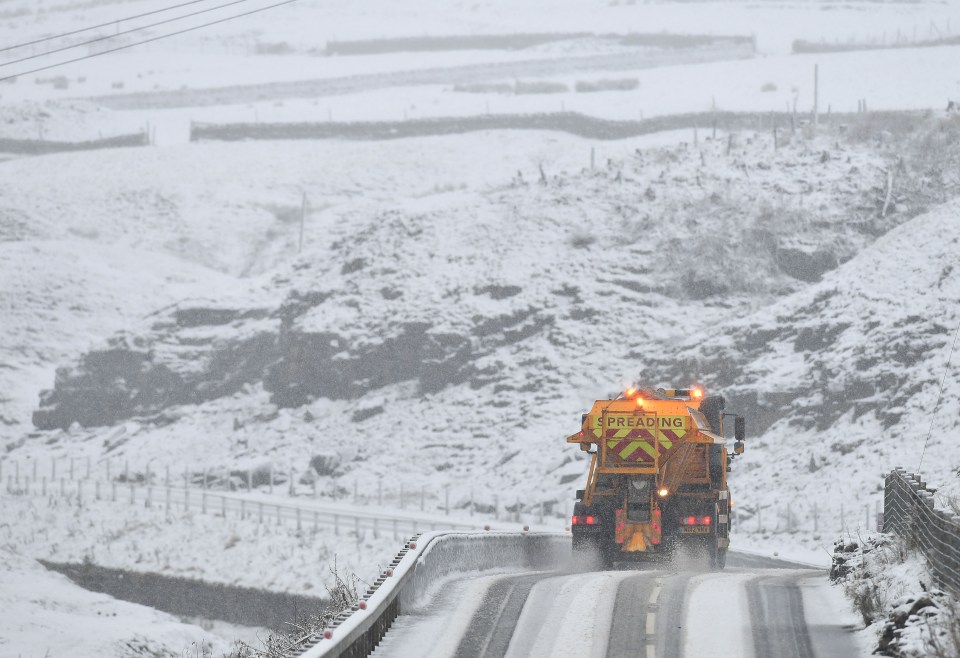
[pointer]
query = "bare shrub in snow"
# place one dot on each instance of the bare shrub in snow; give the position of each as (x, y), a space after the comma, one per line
(943, 639)
(342, 595)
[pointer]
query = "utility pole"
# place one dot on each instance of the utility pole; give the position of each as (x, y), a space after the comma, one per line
(303, 214)
(816, 93)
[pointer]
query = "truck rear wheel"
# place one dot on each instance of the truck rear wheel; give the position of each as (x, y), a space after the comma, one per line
(718, 559)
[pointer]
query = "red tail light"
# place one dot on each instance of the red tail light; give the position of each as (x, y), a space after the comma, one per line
(705, 520)
(691, 520)
(575, 520)
(591, 520)
(696, 520)
(587, 520)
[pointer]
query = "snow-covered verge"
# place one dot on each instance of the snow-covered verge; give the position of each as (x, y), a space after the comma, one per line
(46, 615)
(179, 544)
(890, 584)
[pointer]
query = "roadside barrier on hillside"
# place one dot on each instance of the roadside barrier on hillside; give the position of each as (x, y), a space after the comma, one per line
(422, 561)
(908, 511)
(44, 147)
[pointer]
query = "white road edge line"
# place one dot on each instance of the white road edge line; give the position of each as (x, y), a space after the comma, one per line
(651, 628)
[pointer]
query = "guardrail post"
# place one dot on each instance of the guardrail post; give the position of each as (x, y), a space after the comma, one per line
(223, 506)
(336, 524)
(423, 495)
(113, 491)
(260, 510)
(167, 504)
(149, 496)
(131, 492)
(96, 488)
(298, 519)
(243, 509)
(376, 528)
(71, 469)
(270, 490)
(186, 500)
(279, 521)
(16, 473)
(34, 470)
(203, 501)
(249, 480)
(53, 470)
(316, 521)
(107, 467)
(292, 491)
(44, 485)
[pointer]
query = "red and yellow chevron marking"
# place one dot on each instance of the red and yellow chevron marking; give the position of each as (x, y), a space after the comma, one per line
(631, 451)
(638, 445)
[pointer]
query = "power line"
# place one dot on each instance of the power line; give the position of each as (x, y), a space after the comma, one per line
(119, 34)
(939, 395)
(97, 27)
(157, 38)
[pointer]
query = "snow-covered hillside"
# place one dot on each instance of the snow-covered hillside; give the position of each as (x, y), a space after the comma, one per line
(455, 338)
(459, 300)
(841, 379)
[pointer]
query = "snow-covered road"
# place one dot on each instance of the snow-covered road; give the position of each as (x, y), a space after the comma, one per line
(747, 611)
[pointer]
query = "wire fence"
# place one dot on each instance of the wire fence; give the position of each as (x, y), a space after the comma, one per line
(176, 501)
(264, 495)
(909, 512)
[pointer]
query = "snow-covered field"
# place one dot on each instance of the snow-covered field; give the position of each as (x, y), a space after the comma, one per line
(459, 300)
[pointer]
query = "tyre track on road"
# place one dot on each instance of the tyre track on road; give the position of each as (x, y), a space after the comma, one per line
(492, 626)
(777, 617)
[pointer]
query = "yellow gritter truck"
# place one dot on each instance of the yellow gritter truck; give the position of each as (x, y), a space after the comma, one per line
(657, 485)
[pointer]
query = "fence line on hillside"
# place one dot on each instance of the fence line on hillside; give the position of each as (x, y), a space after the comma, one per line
(175, 500)
(430, 501)
(909, 512)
